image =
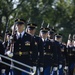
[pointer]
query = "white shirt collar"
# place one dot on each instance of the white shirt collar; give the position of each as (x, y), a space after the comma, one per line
(18, 34)
(44, 39)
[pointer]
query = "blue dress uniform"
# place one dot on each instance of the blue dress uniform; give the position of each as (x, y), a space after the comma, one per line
(71, 58)
(48, 57)
(47, 53)
(64, 54)
(7, 44)
(24, 50)
(57, 57)
(39, 46)
(63, 58)
(2, 50)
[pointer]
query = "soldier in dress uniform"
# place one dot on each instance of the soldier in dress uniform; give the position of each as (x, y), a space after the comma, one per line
(31, 28)
(56, 55)
(63, 50)
(51, 37)
(48, 51)
(24, 47)
(74, 54)
(7, 48)
(2, 50)
(71, 55)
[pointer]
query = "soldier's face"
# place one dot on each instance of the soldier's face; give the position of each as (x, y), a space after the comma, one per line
(31, 31)
(44, 35)
(20, 28)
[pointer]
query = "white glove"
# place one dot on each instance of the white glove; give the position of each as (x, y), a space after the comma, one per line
(9, 53)
(11, 37)
(60, 66)
(55, 68)
(3, 71)
(0, 59)
(34, 68)
(66, 67)
(41, 69)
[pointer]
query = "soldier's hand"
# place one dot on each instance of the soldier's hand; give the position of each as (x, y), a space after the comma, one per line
(60, 66)
(41, 69)
(66, 67)
(55, 68)
(34, 68)
(0, 59)
(3, 71)
(9, 53)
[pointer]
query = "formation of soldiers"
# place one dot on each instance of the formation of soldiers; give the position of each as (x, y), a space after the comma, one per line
(46, 53)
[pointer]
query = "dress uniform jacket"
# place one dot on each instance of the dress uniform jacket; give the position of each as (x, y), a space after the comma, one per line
(2, 53)
(70, 53)
(64, 54)
(71, 58)
(7, 48)
(48, 52)
(57, 53)
(39, 46)
(24, 49)
(48, 56)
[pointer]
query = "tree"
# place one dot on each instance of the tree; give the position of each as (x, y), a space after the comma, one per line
(57, 13)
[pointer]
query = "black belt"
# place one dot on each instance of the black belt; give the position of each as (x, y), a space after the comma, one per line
(45, 53)
(20, 53)
(70, 54)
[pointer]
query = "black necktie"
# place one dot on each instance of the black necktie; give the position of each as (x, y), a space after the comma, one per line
(20, 36)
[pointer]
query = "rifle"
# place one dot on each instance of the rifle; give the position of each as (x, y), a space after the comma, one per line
(69, 40)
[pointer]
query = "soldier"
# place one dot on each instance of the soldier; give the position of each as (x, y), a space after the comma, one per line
(71, 55)
(51, 37)
(48, 51)
(63, 50)
(24, 47)
(74, 53)
(2, 50)
(31, 28)
(51, 34)
(57, 63)
(7, 44)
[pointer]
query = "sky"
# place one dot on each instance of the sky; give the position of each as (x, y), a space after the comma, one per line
(16, 2)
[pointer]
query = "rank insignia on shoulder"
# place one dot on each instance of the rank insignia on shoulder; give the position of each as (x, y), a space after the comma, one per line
(27, 43)
(49, 47)
(35, 43)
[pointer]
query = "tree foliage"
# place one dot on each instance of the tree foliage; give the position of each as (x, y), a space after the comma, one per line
(57, 13)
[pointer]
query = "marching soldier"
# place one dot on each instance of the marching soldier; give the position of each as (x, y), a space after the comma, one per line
(74, 53)
(51, 37)
(71, 55)
(24, 47)
(48, 51)
(2, 50)
(51, 34)
(56, 57)
(7, 44)
(63, 50)
(31, 29)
